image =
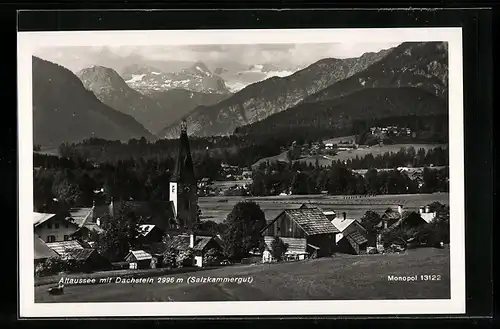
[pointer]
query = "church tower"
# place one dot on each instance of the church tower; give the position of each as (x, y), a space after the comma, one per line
(183, 184)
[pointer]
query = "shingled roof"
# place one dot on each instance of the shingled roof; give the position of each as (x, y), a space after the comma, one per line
(356, 237)
(311, 220)
(181, 242)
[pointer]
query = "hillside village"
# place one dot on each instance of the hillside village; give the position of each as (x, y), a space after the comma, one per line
(171, 233)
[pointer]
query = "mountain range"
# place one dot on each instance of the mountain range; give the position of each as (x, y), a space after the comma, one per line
(422, 65)
(65, 111)
(260, 100)
(196, 78)
(410, 79)
(154, 110)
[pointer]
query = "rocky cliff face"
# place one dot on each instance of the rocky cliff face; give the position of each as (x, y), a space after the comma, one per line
(65, 111)
(112, 90)
(260, 100)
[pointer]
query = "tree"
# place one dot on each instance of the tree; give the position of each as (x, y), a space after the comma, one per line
(119, 233)
(369, 220)
(278, 249)
(300, 183)
(212, 256)
(242, 233)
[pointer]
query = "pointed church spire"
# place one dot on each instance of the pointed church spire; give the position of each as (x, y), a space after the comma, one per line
(184, 168)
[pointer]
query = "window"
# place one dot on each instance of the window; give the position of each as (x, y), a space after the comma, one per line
(56, 225)
(51, 238)
(49, 225)
(66, 237)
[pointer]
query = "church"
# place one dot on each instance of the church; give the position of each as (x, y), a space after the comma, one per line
(183, 185)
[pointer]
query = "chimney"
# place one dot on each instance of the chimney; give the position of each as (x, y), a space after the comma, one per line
(427, 209)
(98, 222)
(400, 209)
(191, 240)
(421, 210)
(344, 215)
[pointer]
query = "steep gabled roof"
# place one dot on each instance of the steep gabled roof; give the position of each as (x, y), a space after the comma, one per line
(42, 251)
(311, 220)
(357, 237)
(139, 255)
(81, 215)
(39, 218)
(341, 224)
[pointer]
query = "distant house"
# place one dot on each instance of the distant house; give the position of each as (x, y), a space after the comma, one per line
(352, 238)
(204, 182)
(400, 219)
(42, 252)
(54, 227)
(139, 259)
(297, 249)
(305, 223)
(199, 244)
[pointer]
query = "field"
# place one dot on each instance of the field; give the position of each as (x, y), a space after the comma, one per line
(217, 208)
(341, 277)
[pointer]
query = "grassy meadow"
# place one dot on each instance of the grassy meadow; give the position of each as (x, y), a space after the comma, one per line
(217, 208)
(341, 277)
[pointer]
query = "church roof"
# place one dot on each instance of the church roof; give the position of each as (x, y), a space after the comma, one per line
(184, 168)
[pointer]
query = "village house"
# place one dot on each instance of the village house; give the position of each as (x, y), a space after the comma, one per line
(353, 236)
(200, 244)
(54, 227)
(391, 219)
(89, 259)
(304, 223)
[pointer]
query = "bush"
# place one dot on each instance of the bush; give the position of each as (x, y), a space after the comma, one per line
(56, 265)
(169, 259)
(213, 256)
(278, 249)
(185, 258)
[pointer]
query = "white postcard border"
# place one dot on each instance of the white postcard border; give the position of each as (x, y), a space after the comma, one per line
(29, 41)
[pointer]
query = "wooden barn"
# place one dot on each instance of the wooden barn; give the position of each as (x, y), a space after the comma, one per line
(305, 223)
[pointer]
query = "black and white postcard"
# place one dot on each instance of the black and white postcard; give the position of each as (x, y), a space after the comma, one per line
(241, 172)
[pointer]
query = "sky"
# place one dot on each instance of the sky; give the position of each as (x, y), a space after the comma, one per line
(76, 58)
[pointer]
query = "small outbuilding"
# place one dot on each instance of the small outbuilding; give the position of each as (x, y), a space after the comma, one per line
(139, 259)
